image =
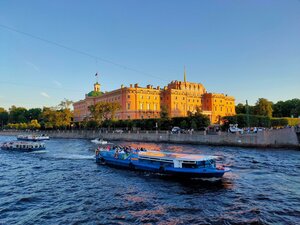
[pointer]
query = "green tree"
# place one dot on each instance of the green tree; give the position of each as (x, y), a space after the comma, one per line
(240, 109)
(263, 107)
(52, 118)
(164, 114)
(17, 115)
(33, 114)
(3, 117)
(102, 111)
(65, 104)
(289, 108)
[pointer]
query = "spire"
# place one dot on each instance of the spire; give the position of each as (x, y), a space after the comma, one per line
(184, 75)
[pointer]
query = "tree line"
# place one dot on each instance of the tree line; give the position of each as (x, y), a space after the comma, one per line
(264, 107)
(103, 116)
(265, 114)
(57, 117)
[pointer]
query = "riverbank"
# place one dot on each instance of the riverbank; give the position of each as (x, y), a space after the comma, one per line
(282, 138)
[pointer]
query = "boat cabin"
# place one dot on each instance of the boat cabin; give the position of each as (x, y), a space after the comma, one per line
(177, 160)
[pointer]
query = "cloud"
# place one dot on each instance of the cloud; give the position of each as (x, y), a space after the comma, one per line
(32, 65)
(57, 83)
(45, 94)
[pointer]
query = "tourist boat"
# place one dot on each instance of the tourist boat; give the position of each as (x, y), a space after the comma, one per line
(176, 164)
(99, 141)
(23, 145)
(41, 137)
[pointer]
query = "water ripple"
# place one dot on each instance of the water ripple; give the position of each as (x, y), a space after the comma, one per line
(63, 185)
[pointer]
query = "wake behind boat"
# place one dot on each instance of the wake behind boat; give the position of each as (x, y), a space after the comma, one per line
(175, 164)
(23, 146)
(42, 137)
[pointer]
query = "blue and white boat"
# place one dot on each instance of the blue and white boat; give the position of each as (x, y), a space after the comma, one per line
(41, 137)
(175, 164)
(23, 146)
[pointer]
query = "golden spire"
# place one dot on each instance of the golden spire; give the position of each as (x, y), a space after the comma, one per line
(184, 75)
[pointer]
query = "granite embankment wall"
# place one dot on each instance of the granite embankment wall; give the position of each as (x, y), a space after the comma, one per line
(282, 138)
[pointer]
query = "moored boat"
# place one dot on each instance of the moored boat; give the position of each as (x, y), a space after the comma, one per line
(23, 145)
(175, 164)
(42, 137)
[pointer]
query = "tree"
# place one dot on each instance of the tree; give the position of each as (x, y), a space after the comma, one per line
(263, 107)
(164, 114)
(289, 108)
(52, 118)
(240, 109)
(34, 124)
(3, 117)
(65, 104)
(17, 115)
(33, 114)
(102, 111)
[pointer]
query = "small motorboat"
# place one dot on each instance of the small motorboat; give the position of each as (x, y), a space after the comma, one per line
(41, 137)
(23, 145)
(99, 141)
(168, 163)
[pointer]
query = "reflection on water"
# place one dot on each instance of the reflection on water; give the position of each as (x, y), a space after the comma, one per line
(64, 185)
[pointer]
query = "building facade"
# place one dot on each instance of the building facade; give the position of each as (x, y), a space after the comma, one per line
(179, 97)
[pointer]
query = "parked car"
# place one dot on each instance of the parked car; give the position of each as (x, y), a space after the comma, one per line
(119, 131)
(176, 130)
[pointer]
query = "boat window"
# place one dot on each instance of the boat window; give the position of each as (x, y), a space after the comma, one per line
(188, 165)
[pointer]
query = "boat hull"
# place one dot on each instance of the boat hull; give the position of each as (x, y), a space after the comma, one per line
(23, 149)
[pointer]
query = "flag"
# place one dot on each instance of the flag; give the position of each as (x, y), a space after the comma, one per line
(96, 74)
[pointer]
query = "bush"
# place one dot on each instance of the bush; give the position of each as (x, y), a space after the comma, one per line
(279, 122)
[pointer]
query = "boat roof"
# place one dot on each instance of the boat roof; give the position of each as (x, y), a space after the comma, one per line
(177, 156)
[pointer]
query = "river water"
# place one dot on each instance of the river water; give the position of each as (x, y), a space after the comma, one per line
(64, 185)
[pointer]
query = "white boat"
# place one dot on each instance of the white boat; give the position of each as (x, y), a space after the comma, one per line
(41, 137)
(23, 145)
(99, 141)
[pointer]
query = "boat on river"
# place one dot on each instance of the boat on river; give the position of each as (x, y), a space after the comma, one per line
(41, 137)
(167, 163)
(23, 145)
(99, 141)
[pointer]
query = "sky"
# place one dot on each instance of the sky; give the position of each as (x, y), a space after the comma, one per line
(51, 50)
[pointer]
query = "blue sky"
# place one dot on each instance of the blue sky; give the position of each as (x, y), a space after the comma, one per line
(248, 49)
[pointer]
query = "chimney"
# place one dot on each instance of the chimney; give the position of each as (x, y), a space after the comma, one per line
(130, 85)
(136, 85)
(158, 87)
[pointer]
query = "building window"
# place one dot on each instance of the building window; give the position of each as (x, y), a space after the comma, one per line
(148, 106)
(128, 117)
(141, 106)
(128, 106)
(221, 108)
(155, 106)
(183, 98)
(148, 97)
(128, 96)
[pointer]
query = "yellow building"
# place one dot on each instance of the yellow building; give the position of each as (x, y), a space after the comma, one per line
(180, 97)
